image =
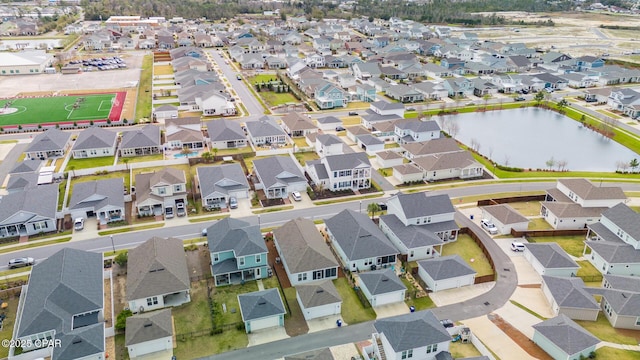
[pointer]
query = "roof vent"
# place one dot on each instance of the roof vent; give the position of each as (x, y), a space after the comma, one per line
(76, 341)
(148, 325)
(319, 291)
(385, 279)
(262, 302)
(624, 295)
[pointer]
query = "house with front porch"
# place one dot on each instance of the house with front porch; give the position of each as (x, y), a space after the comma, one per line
(450, 165)
(219, 183)
(296, 124)
(329, 96)
(185, 132)
(404, 93)
(157, 275)
(626, 101)
(278, 176)
(226, 134)
(103, 199)
(265, 132)
(351, 171)
(415, 130)
(31, 211)
(238, 252)
(141, 141)
(419, 224)
(94, 142)
(158, 190)
(49, 144)
(358, 242)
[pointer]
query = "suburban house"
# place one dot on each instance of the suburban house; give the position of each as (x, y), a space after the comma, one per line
(295, 124)
(450, 165)
(141, 141)
(382, 107)
(278, 176)
(29, 212)
(620, 300)
(157, 275)
(238, 252)
(613, 244)
(226, 134)
(389, 158)
(382, 287)
(568, 296)
(329, 96)
(159, 190)
(563, 339)
(165, 112)
(27, 166)
(626, 101)
(358, 242)
(550, 259)
(318, 299)
(577, 203)
(94, 142)
(328, 123)
(103, 199)
(417, 335)
(149, 333)
(305, 255)
(328, 144)
(424, 148)
(446, 272)
(219, 183)
(407, 131)
(351, 171)
(261, 310)
(64, 301)
(416, 223)
(265, 132)
(48, 144)
(505, 218)
(183, 133)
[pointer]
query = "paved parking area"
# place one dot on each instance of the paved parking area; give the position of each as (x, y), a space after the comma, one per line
(389, 310)
(526, 274)
(267, 336)
(495, 339)
(159, 355)
(518, 318)
(534, 299)
(324, 323)
(464, 293)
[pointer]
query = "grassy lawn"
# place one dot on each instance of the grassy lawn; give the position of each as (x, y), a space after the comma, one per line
(352, 310)
(350, 120)
(143, 105)
(130, 228)
(385, 171)
(242, 150)
(194, 348)
(228, 296)
(275, 99)
(121, 349)
(249, 162)
(77, 164)
(135, 159)
(7, 324)
(422, 303)
(300, 142)
(162, 70)
(303, 157)
(35, 244)
(573, 245)
(539, 224)
(460, 350)
(587, 271)
(468, 249)
(195, 315)
(606, 352)
(603, 331)
(260, 78)
(358, 105)
(391, 145)
(527, 208)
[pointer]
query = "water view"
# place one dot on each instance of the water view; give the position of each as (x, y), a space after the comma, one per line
(529, 137)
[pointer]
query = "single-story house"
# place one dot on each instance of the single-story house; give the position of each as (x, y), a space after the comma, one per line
(226, 134)
(318, 299)
(141, 141)
(219, 183)
(568, 296)
(94, 142)
(382, 287)
(103, 199)
(446, 272)
(278, 176)
(387, 159)
(148, 333)
(29, 212)
(550, 259)
(48, 144)
(261, 310)
(505, 218)
(563, 339)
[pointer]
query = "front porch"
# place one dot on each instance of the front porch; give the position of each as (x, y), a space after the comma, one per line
(236, 278)
(105, 217)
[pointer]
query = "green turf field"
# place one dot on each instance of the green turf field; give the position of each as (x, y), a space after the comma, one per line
(56, 109)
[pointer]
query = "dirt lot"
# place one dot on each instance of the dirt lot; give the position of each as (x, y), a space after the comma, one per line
(198, 263)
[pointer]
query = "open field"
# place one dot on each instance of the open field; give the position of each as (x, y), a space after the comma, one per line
(56, 109)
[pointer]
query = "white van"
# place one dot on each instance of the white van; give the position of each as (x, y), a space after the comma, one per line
(517, 246)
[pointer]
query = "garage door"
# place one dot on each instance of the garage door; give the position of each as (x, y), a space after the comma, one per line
(388, 298)
(244, 194)
(265, 323)
(321, 311)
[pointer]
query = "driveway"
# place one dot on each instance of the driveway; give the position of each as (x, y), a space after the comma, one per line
(454, 296)
(390, 310)
(324, 323)
(533, 298)
(267, 336)
(495, 339)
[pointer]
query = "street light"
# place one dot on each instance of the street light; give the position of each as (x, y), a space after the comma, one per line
(112, 244)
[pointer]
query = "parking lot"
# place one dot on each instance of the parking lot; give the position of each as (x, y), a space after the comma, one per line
(99, 63)
(94, 80)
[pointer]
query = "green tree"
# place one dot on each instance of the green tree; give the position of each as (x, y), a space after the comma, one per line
(550, 163)
(538, 97)
(126, 162)
(121, 319)
(215, 151)
(122, 258)
(207, 156)
(634, 164)
(372, 209)
(562, 104)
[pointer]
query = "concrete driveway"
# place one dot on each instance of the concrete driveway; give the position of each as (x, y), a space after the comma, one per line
(324, 323)
(160, 355)
(495, 339)
(389, 310)
(267, 335)
(453, 296)
(526, 274)
(534, 299)
(518, 318)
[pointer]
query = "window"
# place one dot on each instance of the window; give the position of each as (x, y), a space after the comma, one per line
(368, 262)
(638, 321)
(407, 354)
(330, 272)
(258, 259)
(152, 301)
(302, 277)
(216, 257)
(317, 275)
(162, 191)
(432, 348)
(241, 261)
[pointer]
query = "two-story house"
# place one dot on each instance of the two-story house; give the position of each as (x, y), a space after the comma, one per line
(351, 171)
(159, 190)
(238, 252)
(416, 130)
(278, 176)
(626, 101)
(417, 223)
(329, 96)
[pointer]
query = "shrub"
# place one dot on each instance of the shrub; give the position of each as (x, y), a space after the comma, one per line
(240, 327)
(121, 320)
(122, 258)
(508, 168)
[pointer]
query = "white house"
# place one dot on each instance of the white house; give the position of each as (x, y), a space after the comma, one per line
(550, 259)
(446, 272)
(94, 142)
(351, 171)
(505, 218)
(149, 333)
(382, 287)
(563, 339)
(387, 159)
(387, 108)
(319, 299)
(452, 165)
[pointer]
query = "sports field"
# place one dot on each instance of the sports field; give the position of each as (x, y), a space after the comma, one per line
(61, 109)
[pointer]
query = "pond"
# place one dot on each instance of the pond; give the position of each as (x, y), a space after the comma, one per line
(529, 137)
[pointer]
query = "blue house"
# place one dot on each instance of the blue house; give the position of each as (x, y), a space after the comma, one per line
(365, 92)
(451, 62)
(238, 252)
(587, 62)
(328, 96)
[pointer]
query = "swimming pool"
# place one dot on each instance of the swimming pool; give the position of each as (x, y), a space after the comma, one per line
(191, 154)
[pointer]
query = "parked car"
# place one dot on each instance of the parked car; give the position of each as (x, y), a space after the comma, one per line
(233, 203)
(339, 128)
(382, 205)
(204, 232)
(168, 212)
(447, 323)
(353, 113)
(180, 209)
(78, 224)
(590, 100)
(21, 262)
(519, 98)
(238, 77)
(489, 226)
(517, 246)
(296, 196)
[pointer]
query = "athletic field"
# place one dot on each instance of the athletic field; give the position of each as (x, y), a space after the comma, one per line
(61, 109)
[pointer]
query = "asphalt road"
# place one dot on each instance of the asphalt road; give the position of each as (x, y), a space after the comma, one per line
(11, 159)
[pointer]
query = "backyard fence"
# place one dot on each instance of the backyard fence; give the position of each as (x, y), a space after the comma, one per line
(209, 332)
(511, 199)
(477, 240)
(10, 292)
(545, 233)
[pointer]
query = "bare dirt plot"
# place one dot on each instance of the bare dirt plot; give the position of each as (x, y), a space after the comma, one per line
(519, 338)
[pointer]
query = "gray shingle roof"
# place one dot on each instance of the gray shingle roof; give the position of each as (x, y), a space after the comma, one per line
(623, 302)
(265, 126)
(570, 210)
(237, 235)
(570, 292)
(52, 139)
(329, 120)
(22, 181)
(302, 247)
(320, 354)
(347, 161)
(566, 334)
(98, 194)
(625, 218)
(26, 166)
(415, 236)
(296, 121)
(95, 138)
(165, 177)
(318, 293)
(368, 139)
(157, 267)
(586, 190)
(412, 330)
(358, 236)
(551, 256)
(68, 282)
(381, 281)
(39, 202)
(615, 252)
(384, 105)
(328, 139)
(446, 161)
(418, 125)
(225, 130)
(505, 214)
(435, 146)
(260, 304)
(421, 204)
(222, 179)
(278, 170)
(148, 326)
(626, 283)
(446, 267)
(147, 136)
